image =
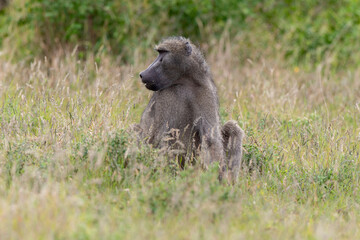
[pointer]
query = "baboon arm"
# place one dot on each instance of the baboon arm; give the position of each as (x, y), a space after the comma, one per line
(211, 146)
(212, 151)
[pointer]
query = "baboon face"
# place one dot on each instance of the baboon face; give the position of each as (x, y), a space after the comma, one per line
(167, 69)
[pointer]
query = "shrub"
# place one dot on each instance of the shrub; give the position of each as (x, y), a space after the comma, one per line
(310, 32)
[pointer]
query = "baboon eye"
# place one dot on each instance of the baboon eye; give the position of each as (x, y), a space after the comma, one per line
(160, 51)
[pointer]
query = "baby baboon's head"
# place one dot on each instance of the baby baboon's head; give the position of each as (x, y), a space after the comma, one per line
(173, 63)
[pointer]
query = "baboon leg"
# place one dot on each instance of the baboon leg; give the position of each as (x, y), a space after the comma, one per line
(232, 141)
(212, 151)
(211, 147)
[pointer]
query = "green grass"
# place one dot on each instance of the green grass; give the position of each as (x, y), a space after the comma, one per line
(69, 169)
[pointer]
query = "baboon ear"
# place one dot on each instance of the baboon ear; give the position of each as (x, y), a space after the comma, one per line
(188, 49)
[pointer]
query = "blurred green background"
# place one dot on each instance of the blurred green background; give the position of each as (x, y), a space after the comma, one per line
(306, 33)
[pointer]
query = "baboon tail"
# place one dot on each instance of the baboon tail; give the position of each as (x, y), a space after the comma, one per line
(232, 141)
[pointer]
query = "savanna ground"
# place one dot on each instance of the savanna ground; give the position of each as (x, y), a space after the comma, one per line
(69, 168)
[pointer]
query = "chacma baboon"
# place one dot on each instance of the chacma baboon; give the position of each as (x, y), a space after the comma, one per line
(183, 112)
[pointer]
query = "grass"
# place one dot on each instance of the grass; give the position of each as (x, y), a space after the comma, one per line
(69, 169)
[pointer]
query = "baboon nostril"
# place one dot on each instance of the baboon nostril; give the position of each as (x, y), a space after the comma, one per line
(140, 76)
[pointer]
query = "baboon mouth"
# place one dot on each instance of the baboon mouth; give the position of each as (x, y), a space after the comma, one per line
(151, 86)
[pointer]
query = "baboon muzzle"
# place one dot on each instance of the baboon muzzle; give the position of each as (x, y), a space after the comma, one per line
(148, 80)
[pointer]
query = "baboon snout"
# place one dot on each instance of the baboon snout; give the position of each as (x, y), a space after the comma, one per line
(147, 76)
(147, 79)
(144, 77)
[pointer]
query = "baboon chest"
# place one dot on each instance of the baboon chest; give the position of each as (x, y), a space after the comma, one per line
(168, 110)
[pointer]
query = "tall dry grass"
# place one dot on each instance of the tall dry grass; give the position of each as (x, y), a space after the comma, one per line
(64, 143)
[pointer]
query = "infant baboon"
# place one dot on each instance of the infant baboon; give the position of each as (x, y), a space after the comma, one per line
(183, 113)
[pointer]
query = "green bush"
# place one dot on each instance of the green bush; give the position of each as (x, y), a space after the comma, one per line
(117, 26)
(316, 31)
(116, 151)
(308, 32)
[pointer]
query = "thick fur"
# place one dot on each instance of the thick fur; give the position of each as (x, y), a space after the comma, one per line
(232, 141)
(183, 113)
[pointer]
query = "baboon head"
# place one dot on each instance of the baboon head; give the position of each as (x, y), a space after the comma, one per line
(173, 63)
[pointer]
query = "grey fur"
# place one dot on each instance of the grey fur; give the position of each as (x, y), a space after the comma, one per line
(183, 113)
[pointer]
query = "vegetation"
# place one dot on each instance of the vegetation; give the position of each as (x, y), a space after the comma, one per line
(307, 32)
(70, 169)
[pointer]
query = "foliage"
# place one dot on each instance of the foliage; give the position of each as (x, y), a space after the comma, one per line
(307, 32)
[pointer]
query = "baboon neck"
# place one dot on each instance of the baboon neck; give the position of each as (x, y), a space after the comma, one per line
(202, 79)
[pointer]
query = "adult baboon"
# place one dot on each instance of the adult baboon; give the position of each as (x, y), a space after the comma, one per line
(183, 112)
